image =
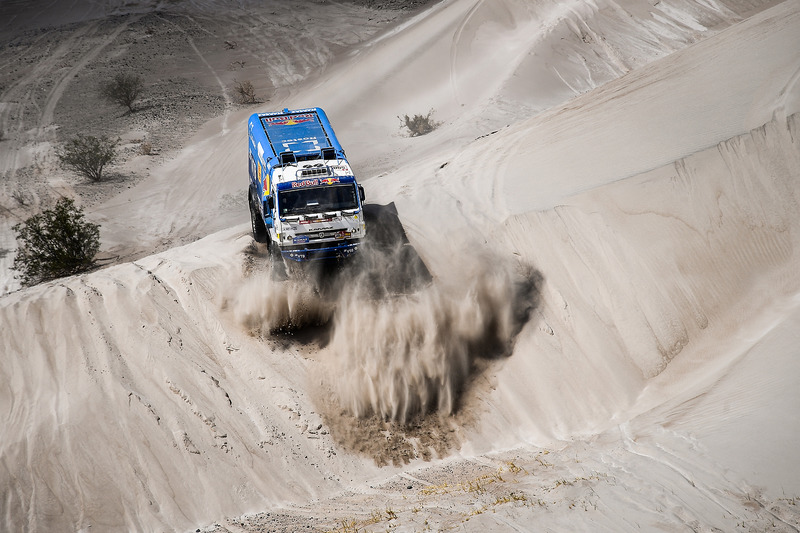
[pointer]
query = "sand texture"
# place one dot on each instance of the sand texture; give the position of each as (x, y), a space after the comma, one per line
(578, 308)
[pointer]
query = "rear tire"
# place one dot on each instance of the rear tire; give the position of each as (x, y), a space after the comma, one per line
(257, 224)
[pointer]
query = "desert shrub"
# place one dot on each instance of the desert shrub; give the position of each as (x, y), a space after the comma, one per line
(419, 124)
(55, 243)
(88, 155)
(245, 92)
(123, 89)
(22, 198)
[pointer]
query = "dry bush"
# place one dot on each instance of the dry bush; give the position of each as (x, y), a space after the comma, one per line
(123, 89)
(419, 124)
(22, 198)
(245, 92)
(88, 155)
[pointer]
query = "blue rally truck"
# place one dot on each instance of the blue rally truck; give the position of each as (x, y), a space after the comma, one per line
(305, 202)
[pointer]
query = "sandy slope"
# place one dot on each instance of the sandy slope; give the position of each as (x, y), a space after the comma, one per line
(653, 386)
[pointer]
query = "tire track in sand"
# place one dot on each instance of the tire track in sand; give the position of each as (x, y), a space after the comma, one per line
(63, 83)
(24, 129)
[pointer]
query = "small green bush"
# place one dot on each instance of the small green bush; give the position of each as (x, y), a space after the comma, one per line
(419, 124)
(55, 243)
(88, 155)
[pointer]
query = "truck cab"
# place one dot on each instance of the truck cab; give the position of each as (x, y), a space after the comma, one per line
(305, 202)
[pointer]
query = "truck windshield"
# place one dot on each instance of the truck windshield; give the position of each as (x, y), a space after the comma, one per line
(310, 200)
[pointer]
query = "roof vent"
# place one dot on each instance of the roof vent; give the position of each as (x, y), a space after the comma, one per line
(287, 158)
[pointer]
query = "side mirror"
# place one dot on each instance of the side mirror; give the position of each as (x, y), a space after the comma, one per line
(361, 192)
(270, 202)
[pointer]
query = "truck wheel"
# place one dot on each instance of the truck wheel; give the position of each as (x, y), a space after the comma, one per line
(257, 223)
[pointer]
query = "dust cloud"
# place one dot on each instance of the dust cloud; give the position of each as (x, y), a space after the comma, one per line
(265, 305)
(399, 356)
(268, 303)
(399, 344)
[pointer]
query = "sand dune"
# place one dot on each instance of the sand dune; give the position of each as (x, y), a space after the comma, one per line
(607, 340)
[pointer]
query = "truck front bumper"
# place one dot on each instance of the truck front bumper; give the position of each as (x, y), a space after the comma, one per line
(321, 251)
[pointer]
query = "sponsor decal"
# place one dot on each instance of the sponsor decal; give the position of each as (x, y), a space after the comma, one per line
(317, 221)
(305, 183)
(313, 182)
(300, 239)
(313, 140)
(289, 121)
(342, 234)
